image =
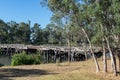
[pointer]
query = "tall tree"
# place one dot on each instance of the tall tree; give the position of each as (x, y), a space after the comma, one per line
(105, 19)
(72, 10)
(3, 32)
(24, 33)
(37, 34)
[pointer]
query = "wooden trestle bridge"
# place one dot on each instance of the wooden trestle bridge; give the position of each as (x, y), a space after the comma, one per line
(49, 53)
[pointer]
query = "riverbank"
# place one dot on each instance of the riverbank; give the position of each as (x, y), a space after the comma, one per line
(83, 70)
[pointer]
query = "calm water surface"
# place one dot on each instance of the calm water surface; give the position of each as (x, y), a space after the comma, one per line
(5, 60)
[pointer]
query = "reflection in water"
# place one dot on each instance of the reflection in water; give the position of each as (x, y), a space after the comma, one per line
(5, 60)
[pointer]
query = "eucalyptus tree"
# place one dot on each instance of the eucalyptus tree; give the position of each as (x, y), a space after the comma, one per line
(23, 33)
(115, 24)
(95, 19)
(107, 23)
(37, 34)
(104, 13)
(115, 17)
(45, 36)
(60, 6)
(3, 32)
(51, 29)
(80, 16)
(73, 10)
(13, 29)
(56, 19)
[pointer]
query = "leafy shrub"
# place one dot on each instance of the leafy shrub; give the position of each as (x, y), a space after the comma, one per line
(24, 59)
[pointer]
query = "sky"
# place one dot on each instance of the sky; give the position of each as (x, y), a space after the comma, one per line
(24, 10)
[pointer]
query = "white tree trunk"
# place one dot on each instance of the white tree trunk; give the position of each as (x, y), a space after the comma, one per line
(104, 52)
(69, 51)
(90, 45)
(113, 64)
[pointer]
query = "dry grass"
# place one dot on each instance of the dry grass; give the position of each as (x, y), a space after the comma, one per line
(84, 70)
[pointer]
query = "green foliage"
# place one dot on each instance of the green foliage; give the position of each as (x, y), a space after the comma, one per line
(116, 30)
(97, 38)
(80, 13)
(24, 59)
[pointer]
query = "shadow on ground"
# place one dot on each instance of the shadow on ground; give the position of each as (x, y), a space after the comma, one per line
(8, 73)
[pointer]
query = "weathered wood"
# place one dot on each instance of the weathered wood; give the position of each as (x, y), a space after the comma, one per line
(48, 53)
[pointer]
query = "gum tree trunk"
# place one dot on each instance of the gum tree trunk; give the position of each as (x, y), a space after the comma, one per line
(90, 45)
(69, 51)
(113, 62)
(104, 52)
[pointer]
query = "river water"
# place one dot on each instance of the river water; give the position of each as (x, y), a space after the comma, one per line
(5, 60)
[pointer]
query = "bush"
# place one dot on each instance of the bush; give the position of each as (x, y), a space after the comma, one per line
(24, 59)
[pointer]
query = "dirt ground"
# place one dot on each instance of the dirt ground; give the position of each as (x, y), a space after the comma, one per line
(82, 70)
